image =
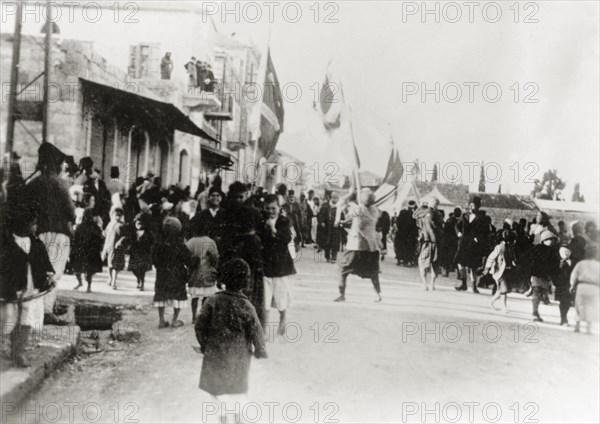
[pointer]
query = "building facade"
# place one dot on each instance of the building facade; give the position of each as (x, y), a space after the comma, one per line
(120, 111)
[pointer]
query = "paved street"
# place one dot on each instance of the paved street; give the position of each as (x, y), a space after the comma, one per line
(417, 356)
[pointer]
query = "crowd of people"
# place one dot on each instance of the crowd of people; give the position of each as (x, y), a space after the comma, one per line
(233, 254)
(200, 75)
(533, 258)
(86, 223)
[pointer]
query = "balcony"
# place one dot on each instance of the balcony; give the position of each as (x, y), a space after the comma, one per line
(225, 113)
(202, 101)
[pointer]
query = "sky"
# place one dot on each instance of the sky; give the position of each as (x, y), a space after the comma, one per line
(382, 51)
(539, 109)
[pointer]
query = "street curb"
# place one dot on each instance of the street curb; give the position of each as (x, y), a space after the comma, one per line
(54, 346)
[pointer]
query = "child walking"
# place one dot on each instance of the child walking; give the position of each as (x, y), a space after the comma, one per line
(562, 284)
(228, 330)
(278, 263)
(502, 262)
(173, 262)
(113, 251)
(87, 250)
(203, 281)
(140, 250)
(586, 288)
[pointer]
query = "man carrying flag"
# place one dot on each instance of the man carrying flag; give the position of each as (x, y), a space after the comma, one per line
(361, 256)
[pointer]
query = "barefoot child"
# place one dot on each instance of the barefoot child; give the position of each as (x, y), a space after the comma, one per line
(203, 281)
(87, 249)
(141, 247)
(113, 251)
(501, 262)
(228, 330)
(173, 262)
(278, 263)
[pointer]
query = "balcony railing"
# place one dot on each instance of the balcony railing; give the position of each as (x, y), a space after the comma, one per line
(196, 98)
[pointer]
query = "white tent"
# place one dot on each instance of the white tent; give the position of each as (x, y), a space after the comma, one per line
(393, 198)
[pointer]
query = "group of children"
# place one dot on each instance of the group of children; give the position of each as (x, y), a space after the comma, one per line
(547, 264)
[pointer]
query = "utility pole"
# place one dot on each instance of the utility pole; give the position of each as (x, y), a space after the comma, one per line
(14, 79)
(47, 62)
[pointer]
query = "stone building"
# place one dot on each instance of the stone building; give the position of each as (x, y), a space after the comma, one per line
(283, 168)
(97, 110)
(236, 67)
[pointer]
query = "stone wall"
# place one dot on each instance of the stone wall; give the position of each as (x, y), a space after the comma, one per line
(71, 59)
(499, 215)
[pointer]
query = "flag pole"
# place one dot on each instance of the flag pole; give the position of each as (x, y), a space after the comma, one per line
(259, 115)
(14, 79)
(355, 152)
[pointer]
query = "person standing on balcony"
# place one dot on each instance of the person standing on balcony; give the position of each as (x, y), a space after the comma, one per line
(166, 66)
(190, 67)
(209, 79)
(200, 74)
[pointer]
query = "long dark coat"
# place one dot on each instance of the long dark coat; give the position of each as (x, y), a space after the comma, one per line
(249, 248)
(323, 218)
(239, 241)
(213, 224)
(87, 248)
(227, 329)
(577, 248)
(450, 243)
(140, 252)
(562, 282)
(277, 260)
(173, 262)
(473, 244)
(405, 241)
(101, 197)
(542, 261)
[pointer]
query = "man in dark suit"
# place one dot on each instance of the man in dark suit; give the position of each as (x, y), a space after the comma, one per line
(405, 242)
(473, 235)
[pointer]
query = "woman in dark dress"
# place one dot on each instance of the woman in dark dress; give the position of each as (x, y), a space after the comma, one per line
(239, 240)
(87, 248)
(140, 253)
(473, 234)
(173, 262)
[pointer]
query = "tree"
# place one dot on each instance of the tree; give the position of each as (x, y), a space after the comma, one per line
(417, 169)
(481, 188)
(434, 175)
(500, 189)
(550, 187)
(577, 196)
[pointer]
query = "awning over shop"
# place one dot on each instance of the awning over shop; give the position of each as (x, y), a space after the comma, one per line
(216, 157)
(136, 106)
